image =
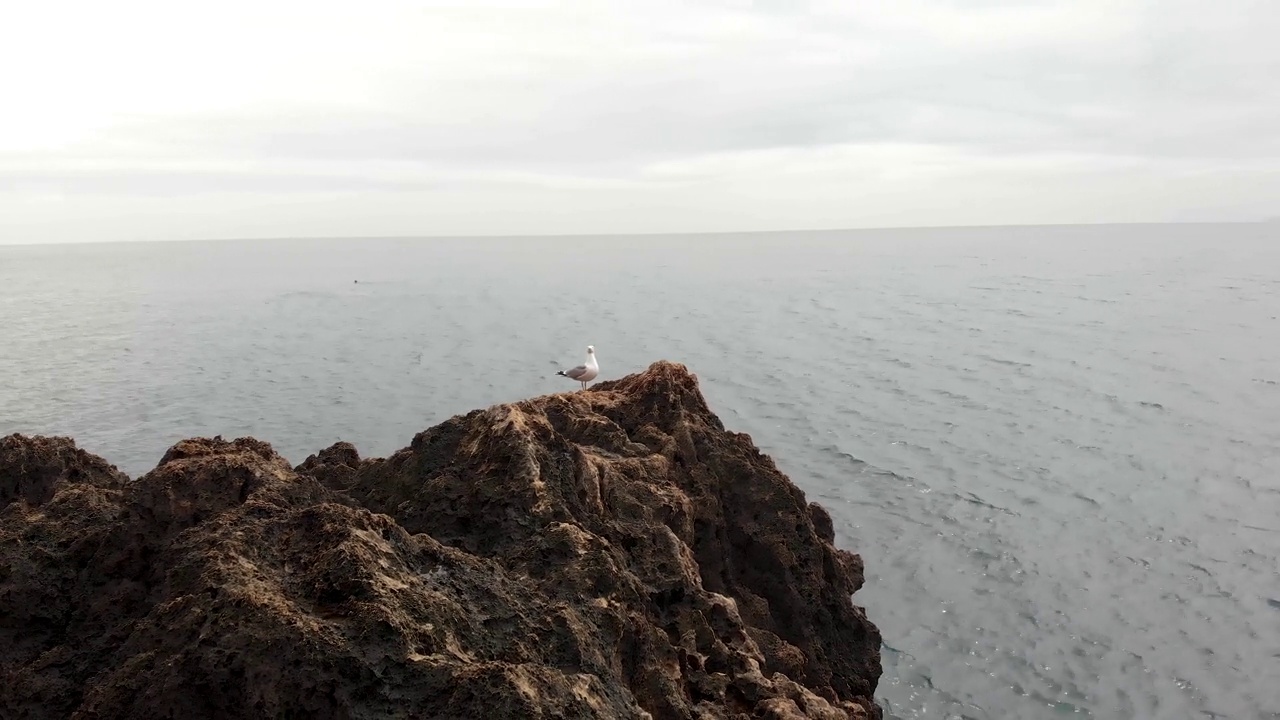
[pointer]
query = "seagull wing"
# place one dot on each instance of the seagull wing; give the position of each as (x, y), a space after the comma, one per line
(576, 373)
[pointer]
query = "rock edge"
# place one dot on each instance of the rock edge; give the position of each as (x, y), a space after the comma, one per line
(609, 553)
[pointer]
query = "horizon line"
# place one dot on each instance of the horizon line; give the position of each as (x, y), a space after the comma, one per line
(657, 234)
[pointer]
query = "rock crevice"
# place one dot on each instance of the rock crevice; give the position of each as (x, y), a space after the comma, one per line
(611, 553)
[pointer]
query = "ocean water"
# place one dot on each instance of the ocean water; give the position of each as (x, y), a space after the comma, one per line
(1056, 448)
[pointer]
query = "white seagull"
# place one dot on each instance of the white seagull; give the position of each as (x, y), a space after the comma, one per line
(586, 372)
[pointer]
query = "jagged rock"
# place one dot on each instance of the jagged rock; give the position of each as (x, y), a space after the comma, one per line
(36, 468)
(335, 466)
(612, 553)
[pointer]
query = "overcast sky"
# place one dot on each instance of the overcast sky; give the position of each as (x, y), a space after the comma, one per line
(175, 120)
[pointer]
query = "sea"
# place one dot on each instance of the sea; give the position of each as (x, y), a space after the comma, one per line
(1056, 448)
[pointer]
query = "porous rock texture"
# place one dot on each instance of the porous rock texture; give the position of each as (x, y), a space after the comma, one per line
(608, 553)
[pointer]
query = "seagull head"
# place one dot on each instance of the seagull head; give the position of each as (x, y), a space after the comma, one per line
(591, 349)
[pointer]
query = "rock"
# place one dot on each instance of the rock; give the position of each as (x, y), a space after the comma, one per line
(610, 553)
(335, 466)
(36, 468)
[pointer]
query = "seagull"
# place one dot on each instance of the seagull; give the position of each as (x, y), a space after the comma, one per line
(586, 372)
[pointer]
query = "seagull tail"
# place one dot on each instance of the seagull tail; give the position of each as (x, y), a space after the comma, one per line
(561, 372)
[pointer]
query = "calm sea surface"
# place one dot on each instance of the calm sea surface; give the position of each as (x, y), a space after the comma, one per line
(1057, 449)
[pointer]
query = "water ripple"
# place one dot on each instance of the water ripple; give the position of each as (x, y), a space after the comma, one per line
(1056, 449)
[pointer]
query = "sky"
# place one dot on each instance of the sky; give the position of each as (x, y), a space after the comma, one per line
(138, 120)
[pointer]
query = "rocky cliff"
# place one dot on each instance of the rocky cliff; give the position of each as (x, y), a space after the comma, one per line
(609, 553)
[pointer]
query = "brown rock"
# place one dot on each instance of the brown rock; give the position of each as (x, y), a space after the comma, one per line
(335, 466)
(37, 467)
(613, 553)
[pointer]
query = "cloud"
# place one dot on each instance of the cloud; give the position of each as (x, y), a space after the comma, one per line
(412, 118)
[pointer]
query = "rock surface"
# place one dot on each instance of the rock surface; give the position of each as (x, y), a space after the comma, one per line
(611, 553)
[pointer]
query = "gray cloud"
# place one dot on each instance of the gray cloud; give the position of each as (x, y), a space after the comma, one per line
(800, 106)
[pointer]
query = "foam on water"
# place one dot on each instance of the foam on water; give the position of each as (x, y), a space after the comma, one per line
(1056, 448)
